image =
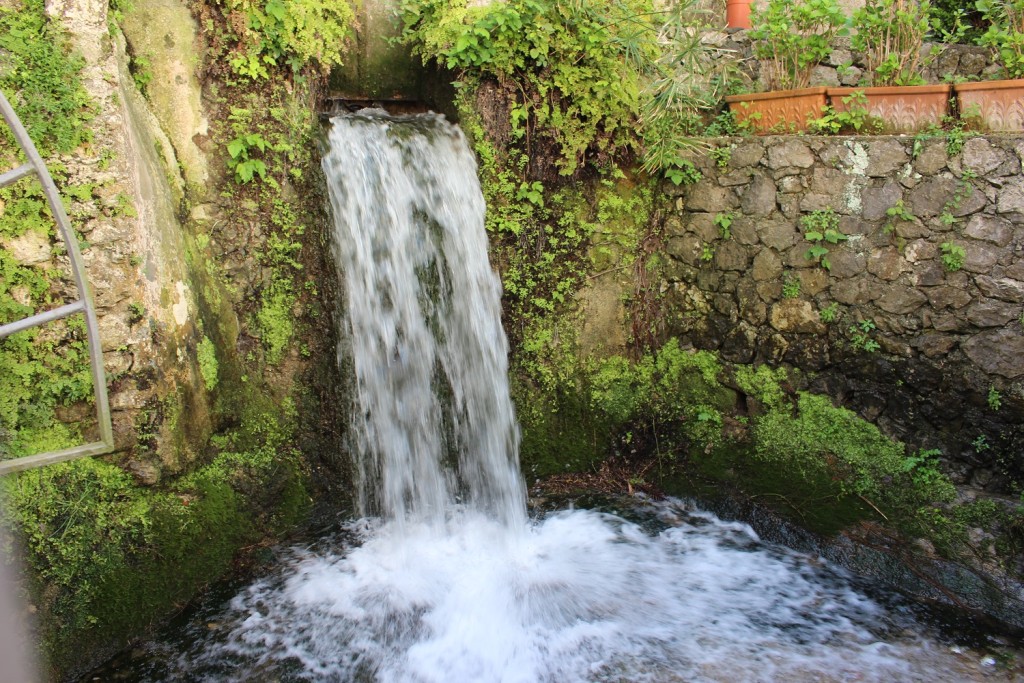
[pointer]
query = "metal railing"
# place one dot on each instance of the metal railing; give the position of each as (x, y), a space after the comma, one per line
(83, 305)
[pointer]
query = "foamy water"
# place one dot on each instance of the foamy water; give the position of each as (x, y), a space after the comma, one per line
(577, 596)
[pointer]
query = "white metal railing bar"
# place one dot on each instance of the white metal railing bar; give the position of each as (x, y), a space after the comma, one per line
(83, 305)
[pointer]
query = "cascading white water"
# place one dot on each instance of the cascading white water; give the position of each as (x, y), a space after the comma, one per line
(434, 423)
(449, 583)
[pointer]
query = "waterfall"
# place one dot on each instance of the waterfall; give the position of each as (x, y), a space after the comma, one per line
(434, 425)
(444, 579)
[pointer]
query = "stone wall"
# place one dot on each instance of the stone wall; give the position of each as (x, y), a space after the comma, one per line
(948, 372)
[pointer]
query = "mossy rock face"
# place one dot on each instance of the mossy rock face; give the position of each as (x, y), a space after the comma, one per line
(377, 67)
(109, 559)
(561, 434)
(166, 53)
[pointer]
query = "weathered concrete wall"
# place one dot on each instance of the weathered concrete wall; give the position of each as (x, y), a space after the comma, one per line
(950, 341)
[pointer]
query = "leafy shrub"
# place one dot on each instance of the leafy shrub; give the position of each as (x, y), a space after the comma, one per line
(292, 33)
(890, 33)
(793, 36)
(1005, 32)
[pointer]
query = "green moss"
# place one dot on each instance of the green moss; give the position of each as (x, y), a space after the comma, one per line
(109, 557)
(207, 357)
(561, 433)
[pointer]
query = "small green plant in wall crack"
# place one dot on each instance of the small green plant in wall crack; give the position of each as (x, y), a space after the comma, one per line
(897, 212)
(821, 227)
(953, 256)
(245, 166)
(860, 336)
(724, 223)
(995, 399)
(790, 286)
(830, 313)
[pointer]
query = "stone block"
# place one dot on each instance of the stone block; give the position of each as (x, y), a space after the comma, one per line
(767, 266)
(887, 263)
(790, 184)
(982, 157)
(795, 315)
(853, 291)
(886, 156)
(944, 296)
(747, 154)
(989, 313)
(992, 229)
(707, 195)
(744, 230)
(790, 153)
(920, 250)
(931, 195)
(875, 201)
(779, 234)
(1011, 198)
(732, 256)
(980, 257)
(998, 352)
(1004, 288)
(769, 291)
(901, 300)
(813, 281)
(931, 158)
(935, 344)
(687, 248)
(846, 262)
(758, 199)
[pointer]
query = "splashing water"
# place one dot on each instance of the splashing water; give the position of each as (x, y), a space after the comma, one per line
(448, 581)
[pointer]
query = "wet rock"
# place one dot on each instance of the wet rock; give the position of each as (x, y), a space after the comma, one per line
(998, 352)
